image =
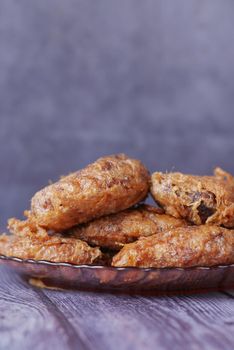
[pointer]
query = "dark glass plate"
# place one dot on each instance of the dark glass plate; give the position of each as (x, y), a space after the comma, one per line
(122, 279)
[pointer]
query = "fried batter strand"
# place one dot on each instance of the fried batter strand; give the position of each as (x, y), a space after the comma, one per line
(223, 175)
(181, 247)
(199, 199)
(27, 228)
(55, 248)
(109, 185)
(113, 231)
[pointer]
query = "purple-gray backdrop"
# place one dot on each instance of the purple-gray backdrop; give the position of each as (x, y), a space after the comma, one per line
(80, 79)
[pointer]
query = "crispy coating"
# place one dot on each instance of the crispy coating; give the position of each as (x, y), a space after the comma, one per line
(30, 241)
(55, 248)
(113, 231)
(27, 228)
(199, 199)
(109, 185)
(223, 175)
(181, 247)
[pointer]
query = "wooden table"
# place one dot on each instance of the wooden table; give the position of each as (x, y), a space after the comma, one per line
(33, 318)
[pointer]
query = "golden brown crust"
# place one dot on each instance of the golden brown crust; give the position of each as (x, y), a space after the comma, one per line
(30, 241)
(223, 175)
(109, 185)
(199, 199)
(25, 228)
(113, 231)
(182, 247)
(54, 248)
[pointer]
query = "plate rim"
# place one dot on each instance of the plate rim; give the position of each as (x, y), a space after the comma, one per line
(113, 268)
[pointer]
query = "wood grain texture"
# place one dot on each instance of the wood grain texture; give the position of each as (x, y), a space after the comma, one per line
(43, 319)
(26, 321)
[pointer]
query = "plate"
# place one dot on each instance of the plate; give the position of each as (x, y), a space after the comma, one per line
(121, 279)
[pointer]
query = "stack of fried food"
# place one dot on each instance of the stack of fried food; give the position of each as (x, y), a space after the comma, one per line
(96, 216)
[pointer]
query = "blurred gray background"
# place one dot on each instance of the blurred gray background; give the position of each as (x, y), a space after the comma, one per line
(82, 79)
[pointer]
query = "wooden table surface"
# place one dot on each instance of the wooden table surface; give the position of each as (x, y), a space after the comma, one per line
(33, 318)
